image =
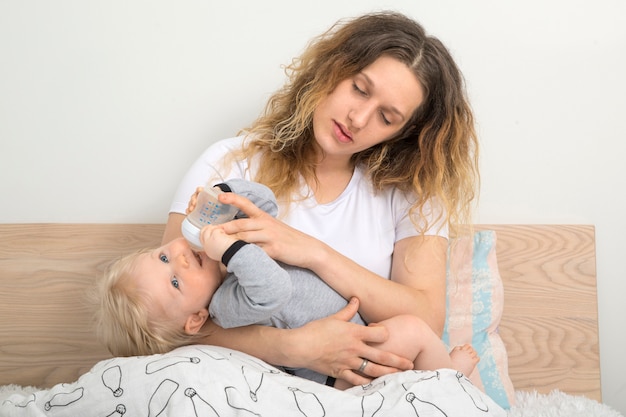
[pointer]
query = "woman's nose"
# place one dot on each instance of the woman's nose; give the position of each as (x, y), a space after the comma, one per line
(360, 115)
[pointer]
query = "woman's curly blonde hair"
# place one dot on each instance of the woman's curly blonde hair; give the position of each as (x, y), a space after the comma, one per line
(435, 155)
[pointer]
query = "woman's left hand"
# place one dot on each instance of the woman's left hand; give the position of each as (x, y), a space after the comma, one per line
(336, 347)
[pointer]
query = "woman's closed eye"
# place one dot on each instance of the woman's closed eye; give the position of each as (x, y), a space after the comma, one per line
(364, 93)
(360, 91)
(385, 120)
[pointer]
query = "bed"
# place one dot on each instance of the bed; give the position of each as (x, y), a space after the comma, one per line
(541, 328)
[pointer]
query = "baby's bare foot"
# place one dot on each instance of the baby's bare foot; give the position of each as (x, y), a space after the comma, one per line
(464, 358)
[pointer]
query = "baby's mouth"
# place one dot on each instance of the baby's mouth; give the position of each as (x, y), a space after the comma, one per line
(198, 257)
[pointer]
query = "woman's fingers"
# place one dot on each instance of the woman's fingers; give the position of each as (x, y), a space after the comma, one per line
(247, 229)
(349, 311)
(379, 362)
(277, 239)
(351, 344)
(242, 203)
(353, 378)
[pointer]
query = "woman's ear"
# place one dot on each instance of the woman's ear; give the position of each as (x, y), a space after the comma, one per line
(195, 321)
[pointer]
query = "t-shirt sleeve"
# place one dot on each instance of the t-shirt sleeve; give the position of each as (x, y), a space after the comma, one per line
(209, 167)
(432, 215)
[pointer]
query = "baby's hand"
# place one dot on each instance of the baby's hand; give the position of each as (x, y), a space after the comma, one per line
(215, 241)
(193, 200)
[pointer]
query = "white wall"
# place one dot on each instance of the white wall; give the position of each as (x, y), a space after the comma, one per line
(104, 104)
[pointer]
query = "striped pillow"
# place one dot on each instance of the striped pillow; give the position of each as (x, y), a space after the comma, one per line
(474, 304)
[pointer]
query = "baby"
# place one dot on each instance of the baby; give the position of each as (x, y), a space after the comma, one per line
(156, 300)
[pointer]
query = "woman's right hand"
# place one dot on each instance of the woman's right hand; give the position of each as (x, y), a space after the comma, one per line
(279, 240)
(336, 347)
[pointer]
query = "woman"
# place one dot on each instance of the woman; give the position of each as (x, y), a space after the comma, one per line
(371, 151)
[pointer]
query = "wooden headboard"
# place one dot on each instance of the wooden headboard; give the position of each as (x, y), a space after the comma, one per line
(549, 325)
(550, 320)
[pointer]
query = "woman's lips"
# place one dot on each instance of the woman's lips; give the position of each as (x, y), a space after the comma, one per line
(343, 134)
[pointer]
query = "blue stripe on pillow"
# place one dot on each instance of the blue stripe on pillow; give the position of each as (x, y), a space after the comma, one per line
(480, 288)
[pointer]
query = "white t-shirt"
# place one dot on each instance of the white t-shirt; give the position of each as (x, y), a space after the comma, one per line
(360, 224)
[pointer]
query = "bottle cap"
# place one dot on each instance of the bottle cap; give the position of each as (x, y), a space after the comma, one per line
(191, 233)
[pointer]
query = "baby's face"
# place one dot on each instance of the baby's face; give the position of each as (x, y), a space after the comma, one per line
(180, 281)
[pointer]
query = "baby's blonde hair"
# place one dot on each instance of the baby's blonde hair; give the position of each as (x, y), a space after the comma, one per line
(124, 321)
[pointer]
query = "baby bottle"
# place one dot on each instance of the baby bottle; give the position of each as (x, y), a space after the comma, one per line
(208, 210)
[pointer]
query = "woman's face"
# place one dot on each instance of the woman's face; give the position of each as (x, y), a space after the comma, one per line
(366, 109)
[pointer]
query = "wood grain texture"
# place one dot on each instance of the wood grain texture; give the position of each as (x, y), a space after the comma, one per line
(46, 333)
(46, 336)
(550, 320)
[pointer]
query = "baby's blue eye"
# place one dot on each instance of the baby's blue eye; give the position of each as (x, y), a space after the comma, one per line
(174, 282)
(164, 259)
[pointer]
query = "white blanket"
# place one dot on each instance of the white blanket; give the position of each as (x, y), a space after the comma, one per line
(216, 382)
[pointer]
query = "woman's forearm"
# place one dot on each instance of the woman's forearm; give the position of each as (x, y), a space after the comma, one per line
(417, 284)
(331, 346)
(270, 344)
